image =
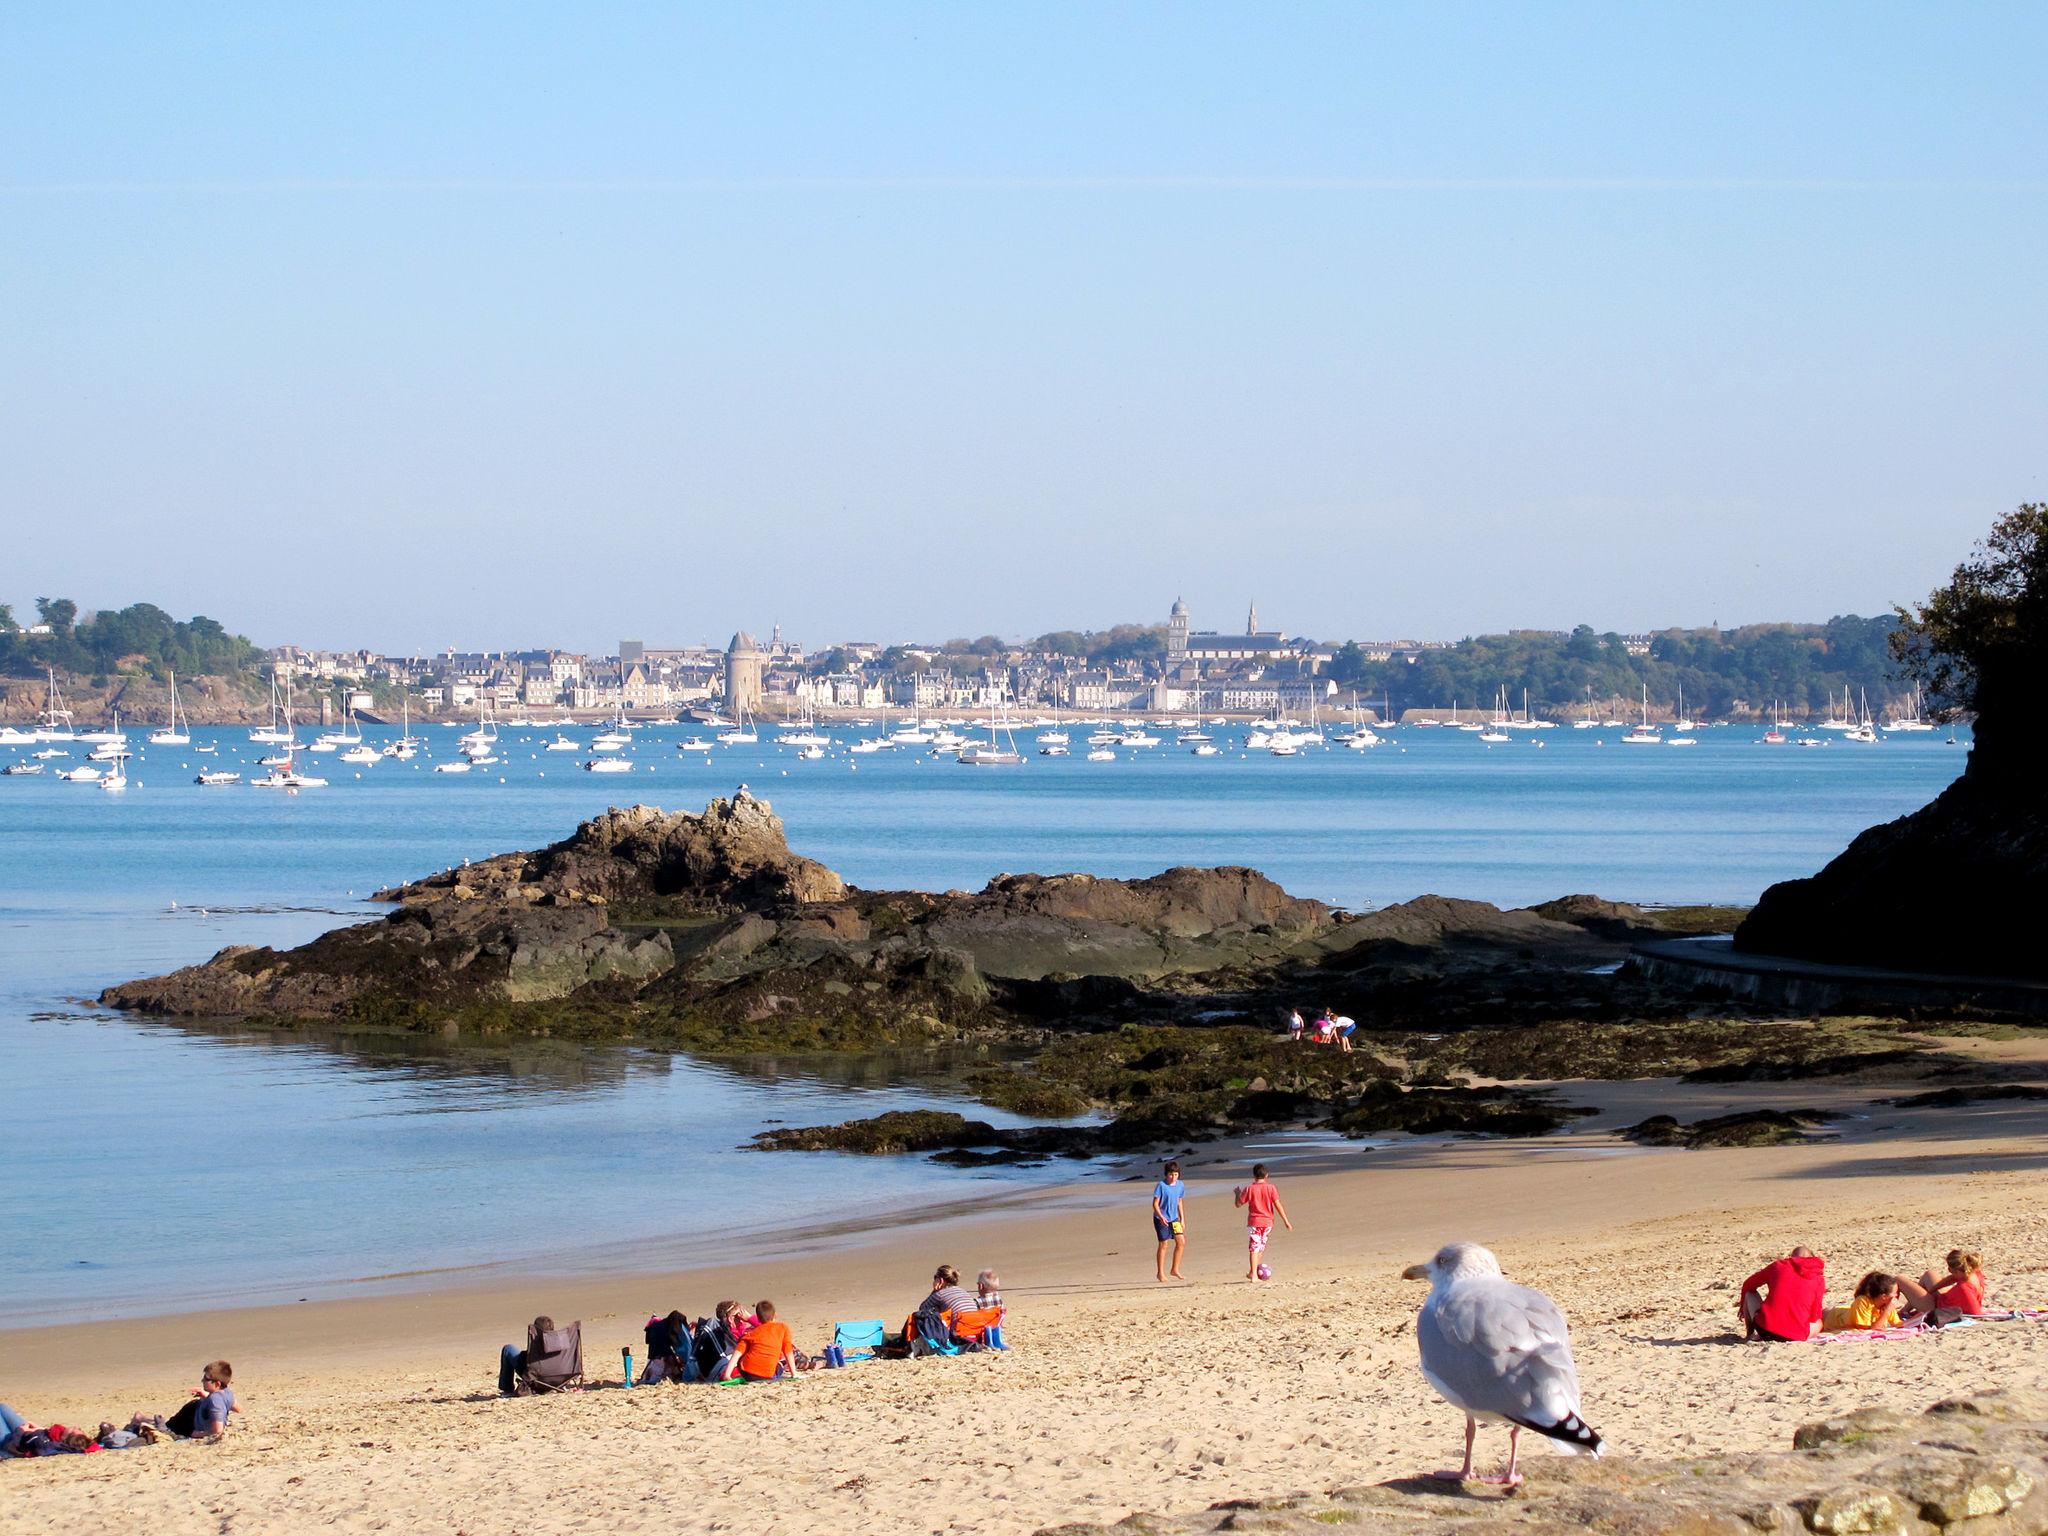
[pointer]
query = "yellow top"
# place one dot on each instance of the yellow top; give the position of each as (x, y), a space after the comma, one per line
(1861, 1313)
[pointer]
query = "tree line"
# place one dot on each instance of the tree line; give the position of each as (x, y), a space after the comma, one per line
(104, 642)
(1800, 666)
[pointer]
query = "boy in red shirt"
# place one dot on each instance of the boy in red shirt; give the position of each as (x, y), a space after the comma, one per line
(1783, 1300)
(1261, 1202)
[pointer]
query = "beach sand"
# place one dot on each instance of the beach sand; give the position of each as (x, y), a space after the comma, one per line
(379, 1413)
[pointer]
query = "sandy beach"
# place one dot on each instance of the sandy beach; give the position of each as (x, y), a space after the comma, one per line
(1119, 1394)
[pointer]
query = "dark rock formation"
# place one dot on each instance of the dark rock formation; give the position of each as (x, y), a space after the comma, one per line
(1958, 887)
(1745, 1128)
(1973, 1466)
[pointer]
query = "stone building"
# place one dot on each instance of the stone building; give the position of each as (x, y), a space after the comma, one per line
(743, 664)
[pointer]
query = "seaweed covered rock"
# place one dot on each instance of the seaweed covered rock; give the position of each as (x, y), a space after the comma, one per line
(1385, 1107)
(1745, 1128)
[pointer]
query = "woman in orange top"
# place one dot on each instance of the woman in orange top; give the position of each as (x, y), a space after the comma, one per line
(767, 1349)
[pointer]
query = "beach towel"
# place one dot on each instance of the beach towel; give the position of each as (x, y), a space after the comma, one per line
(859, 1340)
(1851, 1335)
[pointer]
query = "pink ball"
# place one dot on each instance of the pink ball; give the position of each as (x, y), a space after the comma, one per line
(1265, 1273)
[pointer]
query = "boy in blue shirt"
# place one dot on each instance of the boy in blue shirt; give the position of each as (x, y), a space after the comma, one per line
(1168, 1225)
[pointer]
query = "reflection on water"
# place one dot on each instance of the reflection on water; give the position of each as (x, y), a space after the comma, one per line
(159, 1166)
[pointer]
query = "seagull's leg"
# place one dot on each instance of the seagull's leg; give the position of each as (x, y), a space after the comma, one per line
(1464, 1473)
(1511, 1477)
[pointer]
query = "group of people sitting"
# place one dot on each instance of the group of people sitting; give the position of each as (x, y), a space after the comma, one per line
(1786, 1300)
(736, 1343)
(203, 1416)
(1329, 1028)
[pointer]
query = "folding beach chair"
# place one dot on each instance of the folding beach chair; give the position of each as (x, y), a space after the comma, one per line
(859, 1340)
(554, 1361)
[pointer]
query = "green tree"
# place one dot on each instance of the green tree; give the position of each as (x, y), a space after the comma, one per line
(57, 612)
(1979, 644)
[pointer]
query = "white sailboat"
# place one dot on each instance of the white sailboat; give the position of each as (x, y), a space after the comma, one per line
(55, 723)
(740, 734)
(1865, 729)
(407, 743)
(1497, 730)
(275, 733)
(1682, 725)
(1645, 734)
(1909, 718)
(286, 775)
(995, 754)
(174, 734)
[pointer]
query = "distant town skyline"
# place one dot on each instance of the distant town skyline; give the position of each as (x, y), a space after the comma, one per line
(422, 327)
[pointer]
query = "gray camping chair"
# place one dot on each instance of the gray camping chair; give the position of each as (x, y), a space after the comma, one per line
(554, 1361)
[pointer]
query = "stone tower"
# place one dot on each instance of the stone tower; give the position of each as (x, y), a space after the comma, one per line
(1251, 620)
(743, 674)
(1177, 630)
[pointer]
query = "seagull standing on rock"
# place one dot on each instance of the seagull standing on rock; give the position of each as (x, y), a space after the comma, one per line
(1500, 1352)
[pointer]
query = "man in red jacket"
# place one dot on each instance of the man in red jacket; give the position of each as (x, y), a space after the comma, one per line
(1782, 1301)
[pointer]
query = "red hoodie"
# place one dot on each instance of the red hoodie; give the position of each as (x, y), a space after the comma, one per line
(1797, 1287)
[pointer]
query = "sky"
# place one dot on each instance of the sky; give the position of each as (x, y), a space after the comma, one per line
(417, 326)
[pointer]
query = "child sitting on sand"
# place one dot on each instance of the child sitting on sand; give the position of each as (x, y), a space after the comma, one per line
(767, 1351)
(1960, 1293)
(205, 1416)
(1875, 1305)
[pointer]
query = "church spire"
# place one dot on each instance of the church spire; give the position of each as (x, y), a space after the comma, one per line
(1251, 620)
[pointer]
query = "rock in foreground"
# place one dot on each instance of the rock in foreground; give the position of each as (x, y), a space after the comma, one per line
(1970, 1467)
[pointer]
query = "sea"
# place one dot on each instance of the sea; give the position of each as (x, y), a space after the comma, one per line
(161, 1167)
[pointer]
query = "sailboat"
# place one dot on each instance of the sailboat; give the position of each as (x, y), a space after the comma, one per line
(173, 735)
(1909, 718)
(1682, 725)
(407, 743)
(275, 733)
(741, 734)
(1498, 730)
(1646, 734)
(55, 724)
(350, 734)
(1865, 729)
(285, 775)
(1775, 736)
(995, 754)
(1842, 720)
(804, 730)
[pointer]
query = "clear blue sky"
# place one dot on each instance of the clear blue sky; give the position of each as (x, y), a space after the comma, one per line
(438, 324)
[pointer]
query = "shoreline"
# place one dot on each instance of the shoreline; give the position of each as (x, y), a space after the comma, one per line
(1117, 1393)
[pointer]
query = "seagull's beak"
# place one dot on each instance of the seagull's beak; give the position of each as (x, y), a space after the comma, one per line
(1415, 1272)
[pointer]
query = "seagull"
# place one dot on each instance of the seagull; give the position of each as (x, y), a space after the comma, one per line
(1500, 1352)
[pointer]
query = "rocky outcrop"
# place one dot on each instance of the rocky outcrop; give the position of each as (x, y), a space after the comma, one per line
(1958, 887)
(645, 862)
(1969, 1467)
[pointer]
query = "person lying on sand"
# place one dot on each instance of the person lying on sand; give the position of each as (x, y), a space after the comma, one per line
(1782, 1301)
(1875, 1305)
(1959, 1293)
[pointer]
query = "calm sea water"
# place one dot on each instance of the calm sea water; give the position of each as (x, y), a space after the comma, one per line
(148, 1161)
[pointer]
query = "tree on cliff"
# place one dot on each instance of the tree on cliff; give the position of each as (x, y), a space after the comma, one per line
(1980, 643)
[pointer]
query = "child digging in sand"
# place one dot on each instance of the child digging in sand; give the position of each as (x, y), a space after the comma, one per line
(1261, 1202)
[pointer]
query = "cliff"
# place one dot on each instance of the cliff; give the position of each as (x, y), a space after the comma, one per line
(1956, 887)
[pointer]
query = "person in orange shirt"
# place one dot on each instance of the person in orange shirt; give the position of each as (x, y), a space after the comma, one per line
(767, 1350)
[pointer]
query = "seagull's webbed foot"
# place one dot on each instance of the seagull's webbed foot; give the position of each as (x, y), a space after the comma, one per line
(1464, 1473)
